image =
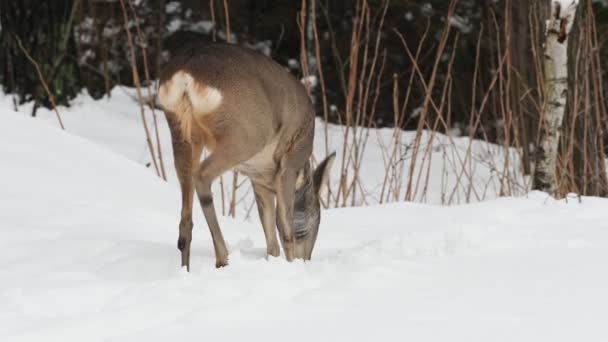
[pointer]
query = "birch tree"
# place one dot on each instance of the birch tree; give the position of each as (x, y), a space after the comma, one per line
(558, 28)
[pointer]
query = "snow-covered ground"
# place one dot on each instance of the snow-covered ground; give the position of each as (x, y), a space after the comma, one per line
(443, 174)
(87, 253)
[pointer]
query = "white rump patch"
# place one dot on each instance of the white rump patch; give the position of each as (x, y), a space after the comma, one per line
(203, 98)
(186, 97)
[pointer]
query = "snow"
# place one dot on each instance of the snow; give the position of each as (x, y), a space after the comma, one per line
(264, 47)
(567, 10)
(173, 7)
(568, 7)
(87, 253)
(309, 81)
(115, 123)
(462, 24)
(293, 63)
(409, 16)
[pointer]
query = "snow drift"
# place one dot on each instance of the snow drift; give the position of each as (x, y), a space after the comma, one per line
(115, 123)
(87, 253)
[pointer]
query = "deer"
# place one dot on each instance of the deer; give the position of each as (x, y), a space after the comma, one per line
(254, 117)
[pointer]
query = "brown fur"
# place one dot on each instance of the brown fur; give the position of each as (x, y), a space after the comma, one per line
(253, 116)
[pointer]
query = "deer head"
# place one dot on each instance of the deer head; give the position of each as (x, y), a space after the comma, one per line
(307, 206)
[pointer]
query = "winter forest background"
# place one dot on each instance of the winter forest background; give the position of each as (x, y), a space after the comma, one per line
(368, 64)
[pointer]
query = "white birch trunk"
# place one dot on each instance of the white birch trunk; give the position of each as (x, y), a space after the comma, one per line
(555, 93)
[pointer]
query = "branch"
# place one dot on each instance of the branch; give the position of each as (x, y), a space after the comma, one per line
(41, 78)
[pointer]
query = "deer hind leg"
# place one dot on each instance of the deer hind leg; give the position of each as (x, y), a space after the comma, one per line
(264, 199)
(186, 156)
(215, 164)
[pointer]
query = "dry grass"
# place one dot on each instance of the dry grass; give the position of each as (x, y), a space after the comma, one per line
(499, 135)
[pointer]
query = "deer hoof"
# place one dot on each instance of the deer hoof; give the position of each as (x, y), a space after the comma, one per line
(181, 244)
(273, 251)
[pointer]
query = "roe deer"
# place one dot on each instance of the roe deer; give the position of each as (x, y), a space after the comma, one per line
(253, 117)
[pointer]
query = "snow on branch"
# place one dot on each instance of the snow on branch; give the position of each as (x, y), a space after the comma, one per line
(562, 16)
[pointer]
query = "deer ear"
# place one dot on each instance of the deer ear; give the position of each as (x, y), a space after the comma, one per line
(321, 174)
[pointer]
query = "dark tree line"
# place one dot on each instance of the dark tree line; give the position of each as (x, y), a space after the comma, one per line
(44, 30)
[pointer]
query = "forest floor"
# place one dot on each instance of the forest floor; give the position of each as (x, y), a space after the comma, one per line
(88, 253)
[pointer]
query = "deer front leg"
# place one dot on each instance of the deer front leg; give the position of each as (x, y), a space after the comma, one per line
(264, 199)
(210, 169)
(285, 187)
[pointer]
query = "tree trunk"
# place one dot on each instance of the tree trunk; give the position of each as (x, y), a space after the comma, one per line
(523, 80)
(558, 28)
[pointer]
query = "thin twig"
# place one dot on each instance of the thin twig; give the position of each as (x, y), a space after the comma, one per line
(41, 78)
